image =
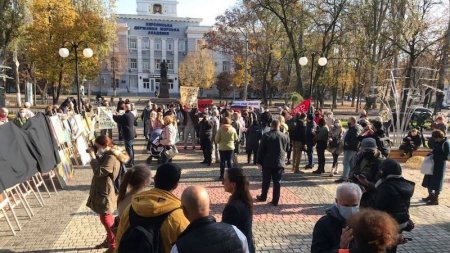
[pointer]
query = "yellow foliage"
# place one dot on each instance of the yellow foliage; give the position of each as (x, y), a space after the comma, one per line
(197, 69)
(57, 23)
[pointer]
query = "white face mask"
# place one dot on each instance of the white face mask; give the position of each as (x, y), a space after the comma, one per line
(336, 124)
(348, 211)
(22, 114)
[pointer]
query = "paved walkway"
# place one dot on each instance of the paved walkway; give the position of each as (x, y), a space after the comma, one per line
(65, 224)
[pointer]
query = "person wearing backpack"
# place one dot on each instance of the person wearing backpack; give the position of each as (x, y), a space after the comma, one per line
(155, 219)
(204, 234)
(433, 183)
(106, 166)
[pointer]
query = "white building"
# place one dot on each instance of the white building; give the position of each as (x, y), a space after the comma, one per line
(147, 38)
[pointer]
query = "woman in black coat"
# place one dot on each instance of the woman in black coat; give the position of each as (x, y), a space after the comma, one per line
(254, 134)
(239, 209)
(434, 182)
(393, 195)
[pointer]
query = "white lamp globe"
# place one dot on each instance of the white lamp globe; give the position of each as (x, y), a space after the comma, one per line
(303, 61)
(323, 61)
(64, 52)
(88, 53)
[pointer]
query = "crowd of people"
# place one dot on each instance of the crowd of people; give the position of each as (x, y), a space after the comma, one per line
(369, 214)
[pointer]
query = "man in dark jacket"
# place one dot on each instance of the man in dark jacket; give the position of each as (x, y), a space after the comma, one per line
(254, 135)
(298, 141)
(127, 122)
(204, 234)
(272, 157)
(366, 170)
(310, 133)
(351, 145)
(331, 232)
(205, 134)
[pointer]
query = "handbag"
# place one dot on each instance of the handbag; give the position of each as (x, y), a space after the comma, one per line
(171, 151)
(427, 166)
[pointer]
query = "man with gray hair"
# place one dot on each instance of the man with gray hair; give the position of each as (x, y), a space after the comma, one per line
(126, 121)
(331, 232)
(351, 145)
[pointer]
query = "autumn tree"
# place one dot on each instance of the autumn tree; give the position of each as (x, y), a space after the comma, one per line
(224, 83)
(197, 69)
(58, 23)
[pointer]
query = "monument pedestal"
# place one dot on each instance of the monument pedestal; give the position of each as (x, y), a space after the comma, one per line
(164, 88)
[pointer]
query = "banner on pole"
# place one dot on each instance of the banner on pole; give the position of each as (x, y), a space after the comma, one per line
(105, 118)
(303, 107)
(189, 96)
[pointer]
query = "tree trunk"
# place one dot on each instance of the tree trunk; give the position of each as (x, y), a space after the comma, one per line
(57, 92)
(16, 78)
(443, 68)
(354, 94)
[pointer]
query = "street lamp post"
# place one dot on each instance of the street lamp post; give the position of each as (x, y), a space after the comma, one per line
(87, 53)
(322, 62)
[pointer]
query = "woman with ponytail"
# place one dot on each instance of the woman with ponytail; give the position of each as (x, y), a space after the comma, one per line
(239, 209)
(134, 181)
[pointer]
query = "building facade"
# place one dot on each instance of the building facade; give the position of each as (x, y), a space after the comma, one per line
(153, 35)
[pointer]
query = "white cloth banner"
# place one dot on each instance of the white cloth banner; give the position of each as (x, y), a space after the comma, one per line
(254, 104)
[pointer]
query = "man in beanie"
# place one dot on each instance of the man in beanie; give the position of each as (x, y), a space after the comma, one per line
(351, 143)
(157, 202)
(311, 128)
(366, 169)
(393, 195)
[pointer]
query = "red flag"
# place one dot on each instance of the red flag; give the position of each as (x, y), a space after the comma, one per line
(303, 107)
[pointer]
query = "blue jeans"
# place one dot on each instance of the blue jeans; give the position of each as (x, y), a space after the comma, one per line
(130, 150)
(347, 162)
(309, 153)
(225, 157)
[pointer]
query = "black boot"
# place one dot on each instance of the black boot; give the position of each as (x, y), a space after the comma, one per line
(434, 200)
(427, 198)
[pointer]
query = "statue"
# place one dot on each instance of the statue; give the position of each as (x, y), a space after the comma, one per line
(164, 86)
(163, 69)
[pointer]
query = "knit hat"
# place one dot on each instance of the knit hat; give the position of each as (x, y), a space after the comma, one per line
(368, 144)
(390, 167)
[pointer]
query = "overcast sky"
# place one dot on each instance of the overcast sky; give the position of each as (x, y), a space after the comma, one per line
(208, 10)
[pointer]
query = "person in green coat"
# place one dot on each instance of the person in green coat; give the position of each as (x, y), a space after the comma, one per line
(226, 138)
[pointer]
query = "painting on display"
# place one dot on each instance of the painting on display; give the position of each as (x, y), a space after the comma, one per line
(64, 170)
(105, 118)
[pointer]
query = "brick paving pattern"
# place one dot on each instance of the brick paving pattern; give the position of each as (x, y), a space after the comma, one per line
(66, 225)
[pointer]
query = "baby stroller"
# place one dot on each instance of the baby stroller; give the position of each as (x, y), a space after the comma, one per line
(153, 147)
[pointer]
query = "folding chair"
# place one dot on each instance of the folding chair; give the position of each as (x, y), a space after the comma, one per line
(6, 203)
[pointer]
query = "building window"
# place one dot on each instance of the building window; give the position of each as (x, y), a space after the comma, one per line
(133, 81)
(182, 45)
(146, 83)
(157, 9)
(169, 64)
(169, 45)
(146, 44)
(133, 63)
(158, 63)
(171, 84)
(132, 44)
(158, 45)
(145, 64)
(225, 66)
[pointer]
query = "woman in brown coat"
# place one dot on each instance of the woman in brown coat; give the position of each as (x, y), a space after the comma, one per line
(102, 196)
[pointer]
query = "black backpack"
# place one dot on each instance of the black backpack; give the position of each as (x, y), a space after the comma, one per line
(118, 181)
(143, 234)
